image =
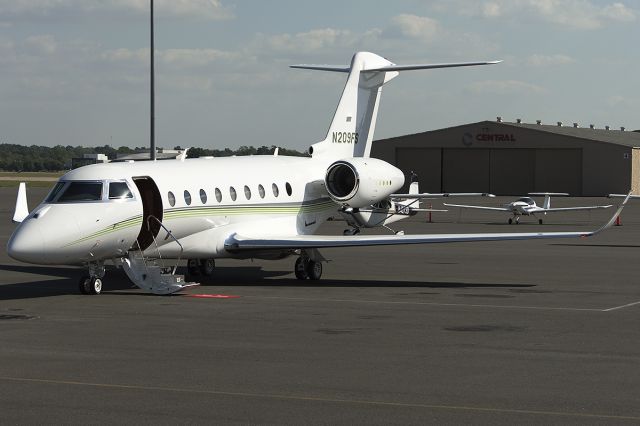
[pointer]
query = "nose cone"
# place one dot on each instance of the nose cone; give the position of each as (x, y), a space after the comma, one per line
(26, 244)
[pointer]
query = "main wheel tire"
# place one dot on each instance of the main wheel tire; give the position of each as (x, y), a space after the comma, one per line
(193, 267)
(300, 269)
(314, 270)
(540, 221)
(208, 267)
(83, 284)
(510, 221)
(95, 285)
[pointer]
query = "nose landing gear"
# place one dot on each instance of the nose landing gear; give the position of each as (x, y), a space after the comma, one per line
(92, 283)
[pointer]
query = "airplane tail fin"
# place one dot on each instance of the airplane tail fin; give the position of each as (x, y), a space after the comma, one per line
(351, 130)
(547, 197)
(22, 209)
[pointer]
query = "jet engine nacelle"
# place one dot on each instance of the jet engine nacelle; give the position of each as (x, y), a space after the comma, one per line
(359, 182)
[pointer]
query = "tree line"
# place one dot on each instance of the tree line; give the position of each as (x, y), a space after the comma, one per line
(34, 158)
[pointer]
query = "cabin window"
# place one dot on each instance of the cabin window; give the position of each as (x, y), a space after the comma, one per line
(56, 189)
(261, 191)
(218, 195)
(287, 186)
(275, 189)
(81, 191)
(247, 192)
(172, 199)
(203, 196)
(187, 197)
(232, 192)
(119, 191)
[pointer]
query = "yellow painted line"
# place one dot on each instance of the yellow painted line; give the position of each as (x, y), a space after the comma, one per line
(468, 408)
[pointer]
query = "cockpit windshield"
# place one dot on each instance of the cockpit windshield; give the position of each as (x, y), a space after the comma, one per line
(527, 200)
(54, 192)
(81, 191)
(119, 191)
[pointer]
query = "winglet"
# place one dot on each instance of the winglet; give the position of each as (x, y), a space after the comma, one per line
(613, 218)
(22, 209)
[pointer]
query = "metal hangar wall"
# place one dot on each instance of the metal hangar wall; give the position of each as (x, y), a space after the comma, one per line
(517, 158)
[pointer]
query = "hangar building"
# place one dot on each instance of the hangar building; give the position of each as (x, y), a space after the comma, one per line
(516, 158)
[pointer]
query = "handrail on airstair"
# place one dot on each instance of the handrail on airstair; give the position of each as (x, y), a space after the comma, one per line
(168, 234)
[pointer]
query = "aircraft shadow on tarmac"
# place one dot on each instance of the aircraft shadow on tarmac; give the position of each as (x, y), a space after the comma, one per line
(117, 282)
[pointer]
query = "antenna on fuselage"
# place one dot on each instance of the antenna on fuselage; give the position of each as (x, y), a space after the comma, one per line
(152, 135)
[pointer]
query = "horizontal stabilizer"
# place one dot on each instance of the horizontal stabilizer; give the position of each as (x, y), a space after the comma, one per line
(334, 68)
(430, 66)
(392, 68)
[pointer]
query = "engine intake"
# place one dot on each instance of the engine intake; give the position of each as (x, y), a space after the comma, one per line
(359, 182)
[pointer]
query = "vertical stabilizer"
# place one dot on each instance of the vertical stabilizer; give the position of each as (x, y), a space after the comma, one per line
(351, 130)
(22, 209)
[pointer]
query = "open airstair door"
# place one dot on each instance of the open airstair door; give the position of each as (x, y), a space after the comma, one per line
(151, 206)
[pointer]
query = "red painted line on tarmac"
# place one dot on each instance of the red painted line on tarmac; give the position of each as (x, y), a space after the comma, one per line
(213, 296)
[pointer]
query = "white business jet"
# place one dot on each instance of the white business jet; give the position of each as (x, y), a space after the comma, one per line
(138, 214)
(526, 206)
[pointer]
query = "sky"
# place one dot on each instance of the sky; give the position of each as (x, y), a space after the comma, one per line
(76, 72)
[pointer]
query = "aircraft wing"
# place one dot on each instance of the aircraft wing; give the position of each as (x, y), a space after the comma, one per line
(238, 242)
(568, 209)
(426, 195)
(462, 206)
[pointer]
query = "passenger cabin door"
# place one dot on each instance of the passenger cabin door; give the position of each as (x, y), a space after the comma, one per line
(151, 206)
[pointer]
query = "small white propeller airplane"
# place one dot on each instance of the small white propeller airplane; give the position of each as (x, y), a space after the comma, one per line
(526, 206)
(138, 214)
(396, 207)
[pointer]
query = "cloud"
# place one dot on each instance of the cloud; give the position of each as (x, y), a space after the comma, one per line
(311, 40)
(537, 60)
(37, 9)
(41, 44)
(505, 87)
(416, 27)
(572, 14)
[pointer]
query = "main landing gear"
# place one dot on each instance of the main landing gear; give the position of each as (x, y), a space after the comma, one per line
(305, 268)
(516, 220)
(92, 283)
(206, 267)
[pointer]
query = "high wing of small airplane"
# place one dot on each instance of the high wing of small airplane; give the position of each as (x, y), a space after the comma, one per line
(526, 206)
(141, 214)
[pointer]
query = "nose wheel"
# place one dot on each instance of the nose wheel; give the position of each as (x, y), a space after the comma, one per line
(305, 268)
(92, 283)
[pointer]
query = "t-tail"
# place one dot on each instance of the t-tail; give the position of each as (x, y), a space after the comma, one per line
(351, 130)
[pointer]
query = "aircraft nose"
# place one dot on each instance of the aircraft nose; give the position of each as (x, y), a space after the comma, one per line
(26, 244)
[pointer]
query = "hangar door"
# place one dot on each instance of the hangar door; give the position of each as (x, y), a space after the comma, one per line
(426, 162)
(466, 170)
(559, 170)
(512, 171)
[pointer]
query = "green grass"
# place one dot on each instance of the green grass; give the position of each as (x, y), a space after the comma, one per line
(18, 175)
(30, 184)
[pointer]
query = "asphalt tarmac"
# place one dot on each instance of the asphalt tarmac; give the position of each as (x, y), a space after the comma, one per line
(500, 333)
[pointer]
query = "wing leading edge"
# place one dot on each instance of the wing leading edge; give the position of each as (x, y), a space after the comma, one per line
(239, 242)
